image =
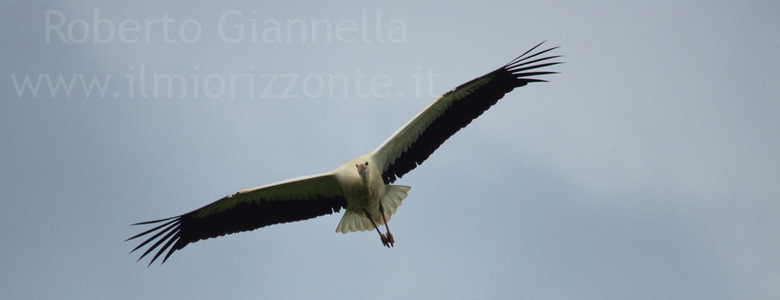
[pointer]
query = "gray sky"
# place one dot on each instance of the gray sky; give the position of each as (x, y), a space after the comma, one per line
(646, 169)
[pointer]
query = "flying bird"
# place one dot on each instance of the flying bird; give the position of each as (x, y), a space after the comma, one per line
(363, 186)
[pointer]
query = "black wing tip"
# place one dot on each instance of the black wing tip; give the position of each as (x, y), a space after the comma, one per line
(527, 55)
(523, 56)
(525, 62)
(167, 233)
(154, 221)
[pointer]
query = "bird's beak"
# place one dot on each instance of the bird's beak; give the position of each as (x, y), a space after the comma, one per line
(362, 170)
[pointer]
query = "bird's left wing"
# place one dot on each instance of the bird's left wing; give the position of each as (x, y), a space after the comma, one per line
(286, 201)
(421, 136)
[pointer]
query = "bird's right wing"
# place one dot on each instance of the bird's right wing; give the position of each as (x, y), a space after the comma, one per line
(286, 201)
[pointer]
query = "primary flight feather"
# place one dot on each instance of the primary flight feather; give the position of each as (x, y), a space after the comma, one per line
(362, 186)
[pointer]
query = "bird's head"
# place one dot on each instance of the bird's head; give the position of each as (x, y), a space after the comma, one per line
(362, 170)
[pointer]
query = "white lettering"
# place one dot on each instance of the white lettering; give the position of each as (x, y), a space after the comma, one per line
(239, 35)
(57, 28)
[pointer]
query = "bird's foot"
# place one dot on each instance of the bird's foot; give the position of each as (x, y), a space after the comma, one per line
(387, 241)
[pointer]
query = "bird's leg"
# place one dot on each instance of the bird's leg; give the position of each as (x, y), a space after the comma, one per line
(390, 239)
(382, 236)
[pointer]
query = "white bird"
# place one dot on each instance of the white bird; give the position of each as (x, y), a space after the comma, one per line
(362, 185)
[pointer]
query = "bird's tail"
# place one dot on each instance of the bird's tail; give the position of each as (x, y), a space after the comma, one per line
(394, 194)
(355, 221)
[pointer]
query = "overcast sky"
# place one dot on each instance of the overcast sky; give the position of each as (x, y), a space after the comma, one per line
(646, 169)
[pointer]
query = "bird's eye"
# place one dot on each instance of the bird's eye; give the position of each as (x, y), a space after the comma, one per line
(366, 163)
(357, 165)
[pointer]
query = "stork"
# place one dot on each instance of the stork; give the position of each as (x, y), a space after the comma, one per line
(362, 185)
